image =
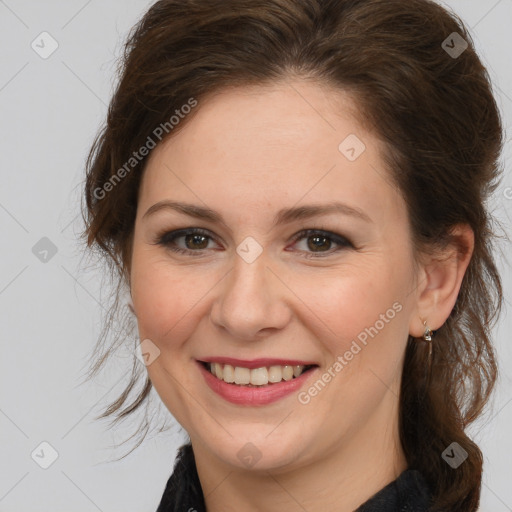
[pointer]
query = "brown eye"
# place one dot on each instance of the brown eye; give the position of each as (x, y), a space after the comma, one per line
(319, 242)
(195, 240)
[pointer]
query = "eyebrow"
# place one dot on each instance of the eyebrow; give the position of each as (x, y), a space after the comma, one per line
(284, 216)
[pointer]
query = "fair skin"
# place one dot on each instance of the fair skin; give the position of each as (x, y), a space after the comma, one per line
(246, 154)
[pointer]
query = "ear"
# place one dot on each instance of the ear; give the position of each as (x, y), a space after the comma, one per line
(439, 281)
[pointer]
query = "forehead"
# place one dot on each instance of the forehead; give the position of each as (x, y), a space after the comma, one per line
(260, 148)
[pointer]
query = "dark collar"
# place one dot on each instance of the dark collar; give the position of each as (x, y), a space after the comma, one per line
(408, 493)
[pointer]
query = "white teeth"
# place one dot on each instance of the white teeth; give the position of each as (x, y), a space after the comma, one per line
(229, 373)
(257, 376)
(287, 372)
(242, 375)
(275, 374)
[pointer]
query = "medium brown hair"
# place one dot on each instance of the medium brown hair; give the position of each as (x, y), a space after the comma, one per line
(443, 135)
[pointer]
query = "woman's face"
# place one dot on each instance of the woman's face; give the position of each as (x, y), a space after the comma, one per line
(251, 294)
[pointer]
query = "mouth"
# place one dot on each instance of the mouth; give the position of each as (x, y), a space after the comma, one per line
(256, 374)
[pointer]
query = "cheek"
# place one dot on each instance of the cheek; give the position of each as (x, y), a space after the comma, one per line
(364, 305)
(357, 302)
(361, 322)
(165, 299)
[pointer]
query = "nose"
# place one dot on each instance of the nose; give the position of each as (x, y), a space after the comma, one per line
(252, 301)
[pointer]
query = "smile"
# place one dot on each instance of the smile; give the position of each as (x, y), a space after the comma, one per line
(257, 376)
(255, 383)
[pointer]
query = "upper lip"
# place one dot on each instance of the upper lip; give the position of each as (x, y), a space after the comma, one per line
(257, 363)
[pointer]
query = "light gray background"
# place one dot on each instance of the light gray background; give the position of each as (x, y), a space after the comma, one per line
(50, 312)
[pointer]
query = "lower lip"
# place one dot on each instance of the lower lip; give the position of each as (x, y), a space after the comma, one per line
(251, 396)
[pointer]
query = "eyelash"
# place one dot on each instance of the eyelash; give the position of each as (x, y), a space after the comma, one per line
(167, 238)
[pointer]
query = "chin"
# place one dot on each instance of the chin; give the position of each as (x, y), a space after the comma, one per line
(251, 449)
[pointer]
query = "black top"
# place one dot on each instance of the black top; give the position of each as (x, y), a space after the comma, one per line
(408, 493)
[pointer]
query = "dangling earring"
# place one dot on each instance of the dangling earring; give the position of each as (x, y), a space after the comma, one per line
(427, 337)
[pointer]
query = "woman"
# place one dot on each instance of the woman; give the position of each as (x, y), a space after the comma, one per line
(293, 193)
